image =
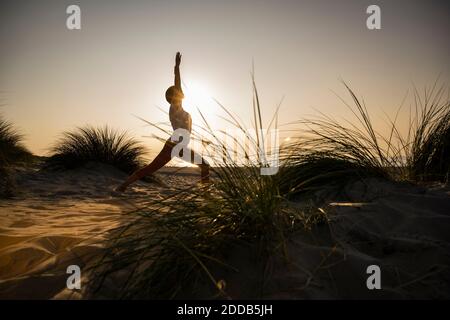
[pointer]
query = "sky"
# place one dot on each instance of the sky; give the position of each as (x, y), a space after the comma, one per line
(118, 66)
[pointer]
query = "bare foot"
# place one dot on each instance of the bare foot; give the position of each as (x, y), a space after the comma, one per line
(205, 181)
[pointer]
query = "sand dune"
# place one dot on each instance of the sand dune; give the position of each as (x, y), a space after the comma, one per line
(58, 219)
(401, 228)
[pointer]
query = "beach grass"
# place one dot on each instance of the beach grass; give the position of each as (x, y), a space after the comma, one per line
(330, 153)
(182, 246)
(12, 149)
(97, 144)
(429, 150)
(12, 152)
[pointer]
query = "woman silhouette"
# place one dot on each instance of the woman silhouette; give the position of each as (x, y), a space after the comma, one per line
(180, 119)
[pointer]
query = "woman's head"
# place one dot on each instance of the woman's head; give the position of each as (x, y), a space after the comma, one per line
(174, 95)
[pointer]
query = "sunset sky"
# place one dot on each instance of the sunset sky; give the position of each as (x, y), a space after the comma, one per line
(121, 61)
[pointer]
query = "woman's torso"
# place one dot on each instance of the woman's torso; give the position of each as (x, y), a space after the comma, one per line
(179, 118)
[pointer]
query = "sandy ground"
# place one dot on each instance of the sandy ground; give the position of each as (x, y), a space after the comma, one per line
(58, 219)
(403, 229)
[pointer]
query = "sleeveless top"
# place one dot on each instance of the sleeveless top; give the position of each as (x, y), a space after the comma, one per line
(179, 118)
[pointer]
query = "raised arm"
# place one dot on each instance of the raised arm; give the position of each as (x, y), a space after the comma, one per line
(177, 71)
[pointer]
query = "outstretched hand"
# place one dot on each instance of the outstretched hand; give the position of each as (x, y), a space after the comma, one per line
(178, 59)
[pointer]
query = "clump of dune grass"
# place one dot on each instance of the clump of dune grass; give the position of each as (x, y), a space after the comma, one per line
(428, 156)
(331, 153)
(310, 172)
(102, 144)
(180, 246)
(11, 148)
(12, 152)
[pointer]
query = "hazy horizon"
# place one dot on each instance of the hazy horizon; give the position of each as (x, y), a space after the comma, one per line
(120, 63)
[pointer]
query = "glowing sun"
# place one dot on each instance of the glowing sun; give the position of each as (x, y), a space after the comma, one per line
(197, 95)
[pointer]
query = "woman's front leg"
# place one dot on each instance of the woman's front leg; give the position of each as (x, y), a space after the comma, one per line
(160, 161)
